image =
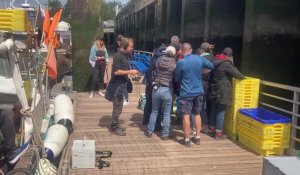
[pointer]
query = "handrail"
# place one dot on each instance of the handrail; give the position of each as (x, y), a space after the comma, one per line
(295, 113)
(280, 86)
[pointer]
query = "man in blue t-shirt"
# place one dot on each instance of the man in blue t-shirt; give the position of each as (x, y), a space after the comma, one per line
(189, 76)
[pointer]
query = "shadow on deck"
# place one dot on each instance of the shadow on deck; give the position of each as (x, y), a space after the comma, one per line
(137, 154)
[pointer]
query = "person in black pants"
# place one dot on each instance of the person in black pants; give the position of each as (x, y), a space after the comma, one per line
(98, 59)
(117, 84)
(8, 149)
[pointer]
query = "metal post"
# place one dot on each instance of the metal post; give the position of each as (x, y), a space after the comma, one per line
(4, 65)
(295, 118)
(145, 30)
(182, 19)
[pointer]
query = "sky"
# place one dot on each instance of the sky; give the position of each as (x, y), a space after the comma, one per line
(122, 1)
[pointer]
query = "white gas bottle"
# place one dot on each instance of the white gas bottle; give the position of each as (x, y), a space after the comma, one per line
(64, 111)
(56, 139)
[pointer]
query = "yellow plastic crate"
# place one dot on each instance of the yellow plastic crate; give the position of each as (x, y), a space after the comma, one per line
(247, 82)
(231, 135)
(264, 144)
(244, 95)
(252, 146)
(265, 131)
(14, 20)
(247, 89)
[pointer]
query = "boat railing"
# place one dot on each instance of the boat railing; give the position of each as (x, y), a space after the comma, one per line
(150, 54)
(290, 99)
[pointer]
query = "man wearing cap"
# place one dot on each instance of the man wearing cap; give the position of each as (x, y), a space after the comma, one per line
(189, 76)
(220, 90)
(162, 92)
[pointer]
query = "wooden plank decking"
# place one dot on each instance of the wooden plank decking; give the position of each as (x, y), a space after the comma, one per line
(137, 154)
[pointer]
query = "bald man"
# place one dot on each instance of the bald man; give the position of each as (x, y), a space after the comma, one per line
(189, 76)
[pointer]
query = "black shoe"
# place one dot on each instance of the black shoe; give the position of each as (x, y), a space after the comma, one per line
(119, 132)
(121, 127)
(196, 141)
(186, 143)
(147, 134)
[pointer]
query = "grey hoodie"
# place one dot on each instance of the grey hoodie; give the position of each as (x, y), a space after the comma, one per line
(165, 70)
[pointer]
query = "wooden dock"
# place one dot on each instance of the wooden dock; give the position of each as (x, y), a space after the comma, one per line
(137, 154)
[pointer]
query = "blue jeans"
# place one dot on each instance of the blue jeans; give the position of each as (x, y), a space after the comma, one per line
(217, 115)
(162, 95)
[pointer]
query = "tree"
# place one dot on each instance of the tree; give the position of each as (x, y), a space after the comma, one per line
(108, 11)
(53, 6)
(66, 14)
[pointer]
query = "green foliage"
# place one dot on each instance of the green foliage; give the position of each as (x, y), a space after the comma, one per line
(84, 32)
(108, 11)
(54, 6)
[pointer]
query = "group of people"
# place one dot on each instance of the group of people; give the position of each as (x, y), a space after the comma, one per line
(196, 81)
(175, 73)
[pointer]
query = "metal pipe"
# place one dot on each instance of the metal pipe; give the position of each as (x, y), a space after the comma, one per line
(6, 45)
(281, 86)
(295, 118)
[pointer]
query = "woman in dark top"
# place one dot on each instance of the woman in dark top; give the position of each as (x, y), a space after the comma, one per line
(98, 59)
(220, 89)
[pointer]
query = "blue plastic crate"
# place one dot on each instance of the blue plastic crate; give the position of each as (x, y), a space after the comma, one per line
(265, 116)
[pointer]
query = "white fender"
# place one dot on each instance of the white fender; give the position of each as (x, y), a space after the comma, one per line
(56, 139)
(64, 111)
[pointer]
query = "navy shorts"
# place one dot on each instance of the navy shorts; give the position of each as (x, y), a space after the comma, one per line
(190, 105)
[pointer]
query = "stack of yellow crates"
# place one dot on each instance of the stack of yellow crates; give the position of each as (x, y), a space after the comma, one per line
(244, 95)
(264, 132)
(14, 20)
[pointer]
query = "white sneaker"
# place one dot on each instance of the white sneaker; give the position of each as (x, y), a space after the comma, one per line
(101, 93)
(91, 95)
(125, 103)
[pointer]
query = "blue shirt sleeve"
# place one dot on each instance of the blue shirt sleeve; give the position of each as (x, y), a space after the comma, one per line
(92, 56)
(207, 64)
(178, 75)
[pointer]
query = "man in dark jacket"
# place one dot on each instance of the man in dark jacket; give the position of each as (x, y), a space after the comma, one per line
(220, 89)
(117, 85)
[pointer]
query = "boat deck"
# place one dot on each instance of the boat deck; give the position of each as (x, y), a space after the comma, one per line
(137, 154)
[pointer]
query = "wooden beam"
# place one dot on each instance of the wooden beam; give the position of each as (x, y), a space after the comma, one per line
(168, 17)
(206, 20)
(248, 31)
(183, 5)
